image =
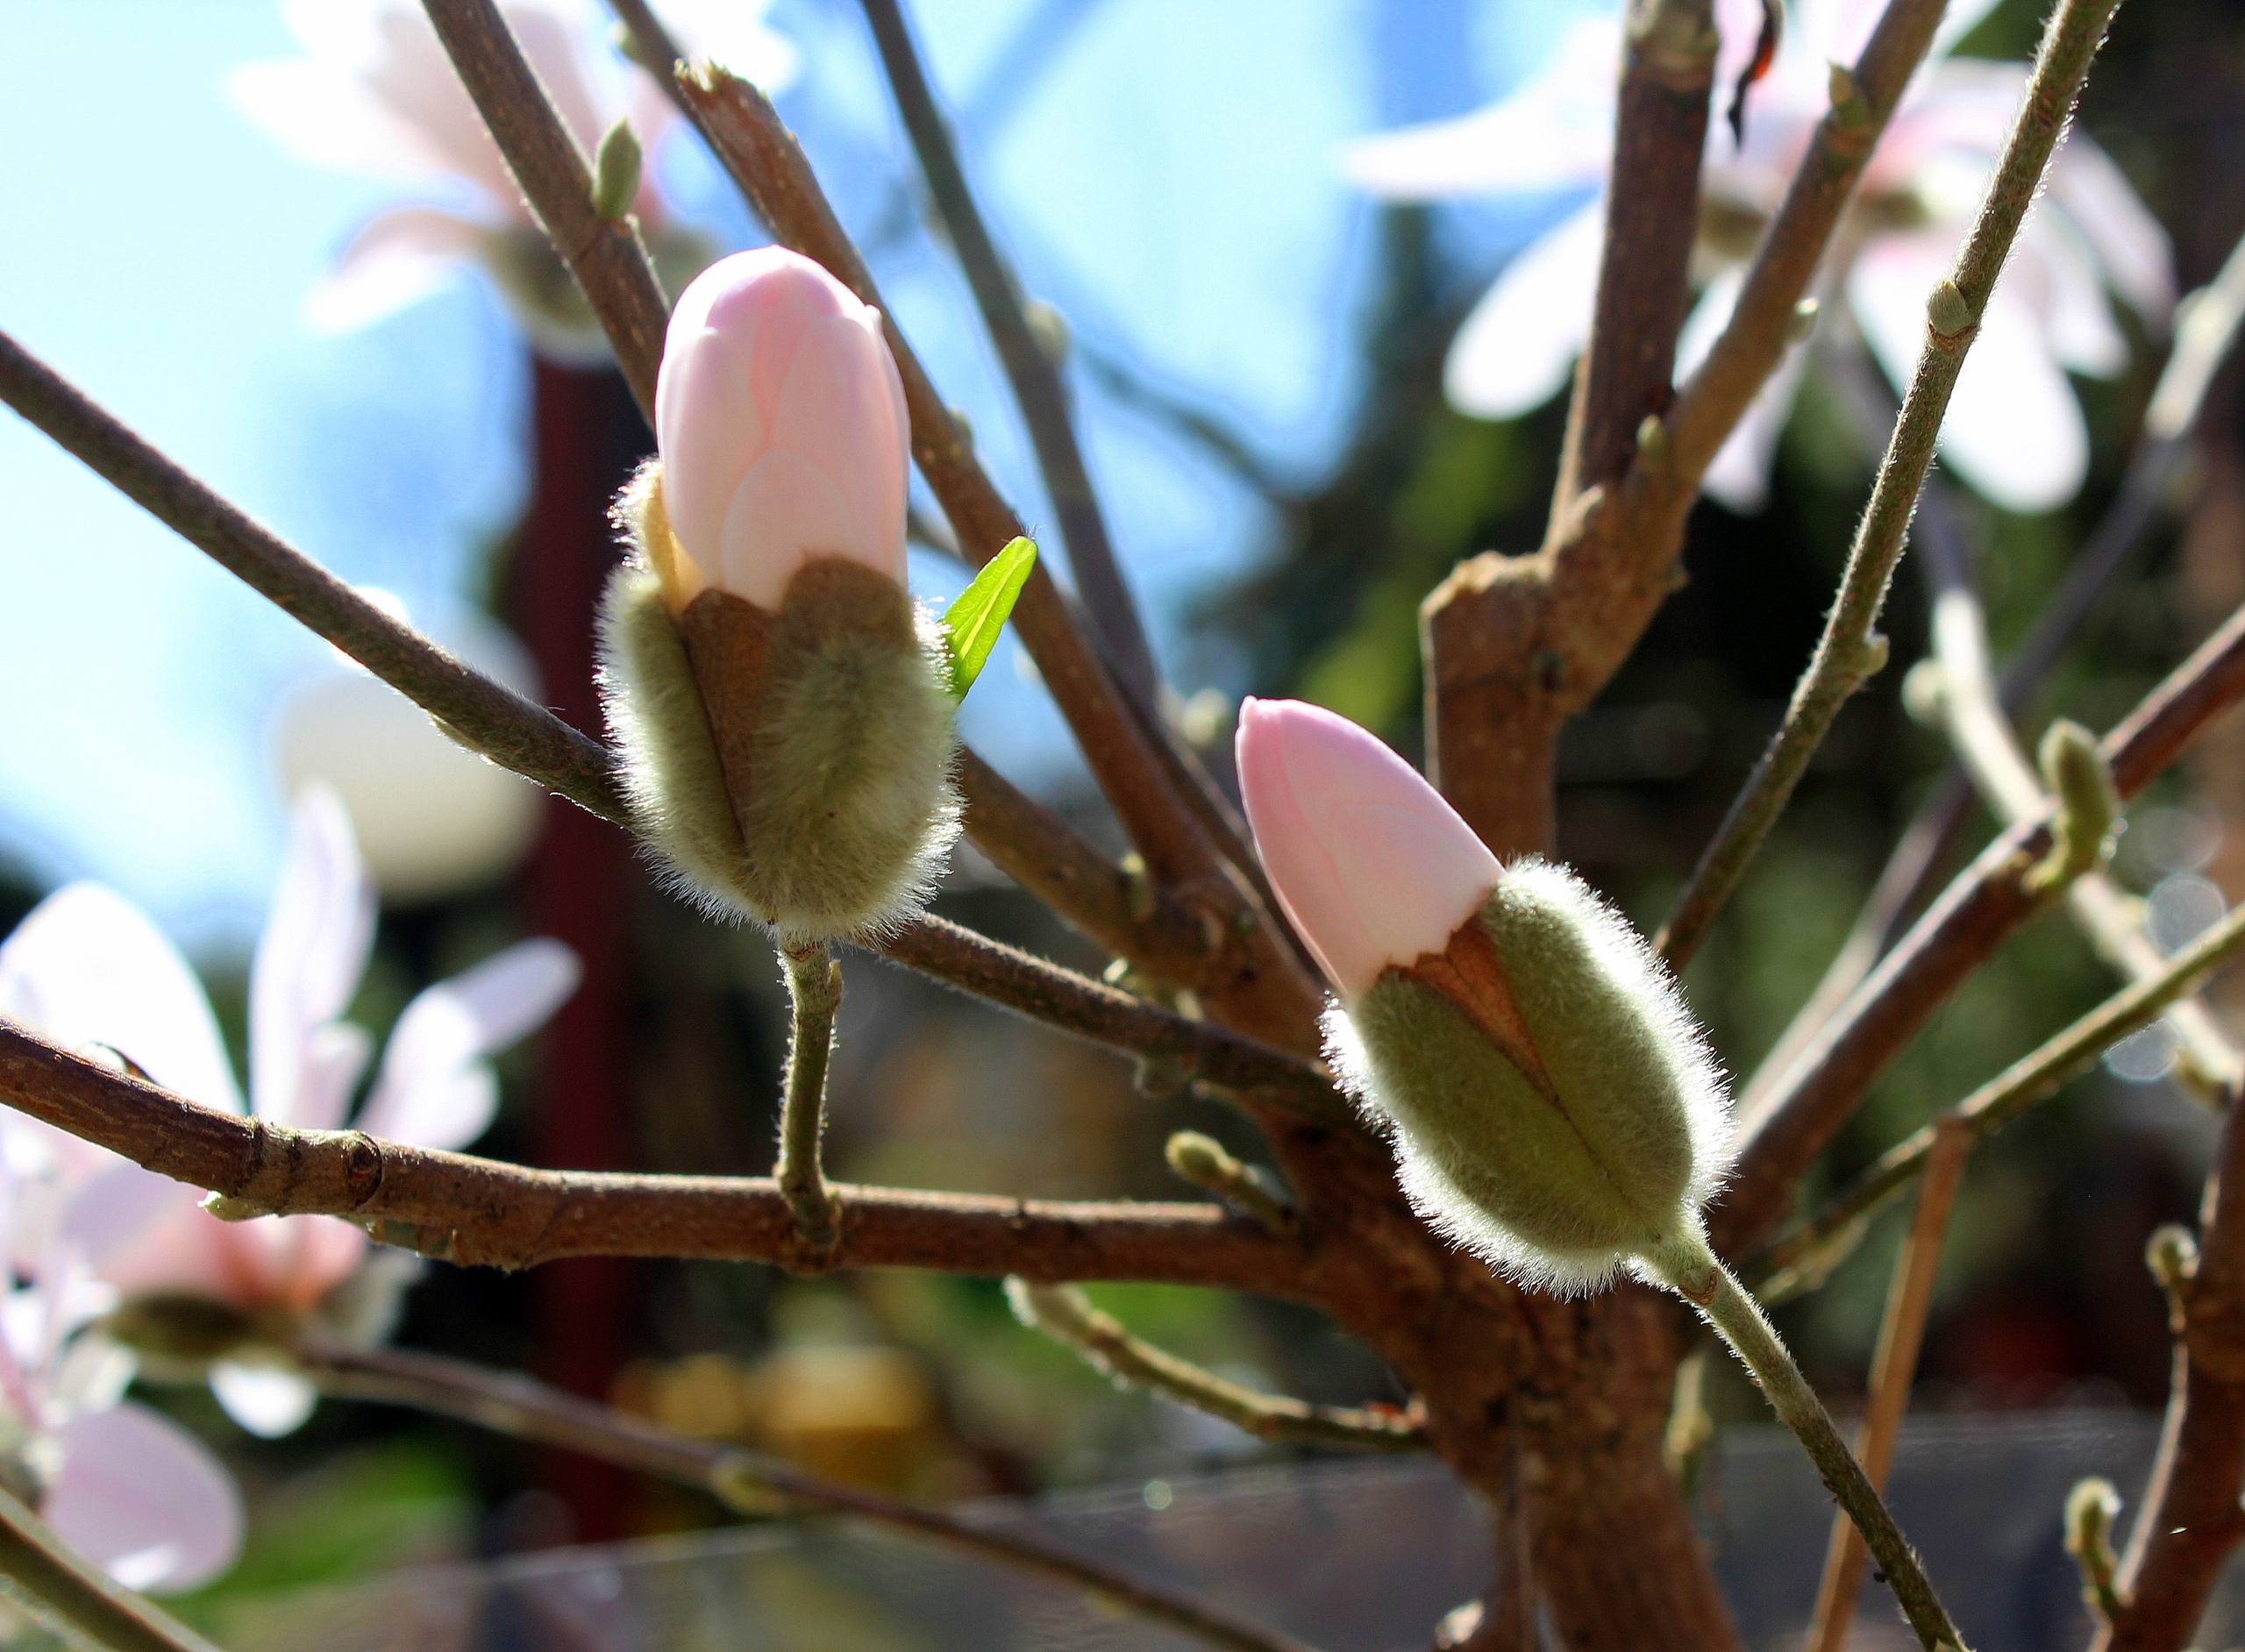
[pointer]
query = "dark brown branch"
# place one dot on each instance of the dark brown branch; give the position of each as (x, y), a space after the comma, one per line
(1802, 1108)
(524, 1410)
(480, 1212)
(2190, 1520)
(1652, 219)
(603, 254)
(1028, 365)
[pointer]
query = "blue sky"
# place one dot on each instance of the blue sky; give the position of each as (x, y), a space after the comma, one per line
(1165, 177)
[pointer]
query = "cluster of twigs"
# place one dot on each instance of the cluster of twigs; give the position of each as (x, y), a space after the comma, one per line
(1515, 645)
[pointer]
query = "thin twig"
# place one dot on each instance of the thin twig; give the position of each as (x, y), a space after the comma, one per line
(1798, 1109)
(531, 741)
(1652, 220)
(604, 254)
(480, 1212)
(1849, 650)
(814, 998)
(76, 1597)
(2025, 1082)
(1260, 983)
(1894, 1365)
(2207, 332)
(1028, 364)
(1066, 1315)
(1711, 402)
(1687, 1266)
(745, 1481)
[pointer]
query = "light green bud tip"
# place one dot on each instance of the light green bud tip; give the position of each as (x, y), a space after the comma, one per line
(2087, 805)
(1947, 310)
(1201, 1159)
(2172, 1255)
(2092, 1507)
(846, 807)
(616, 172)
(1925, 693)
(1569, 1119)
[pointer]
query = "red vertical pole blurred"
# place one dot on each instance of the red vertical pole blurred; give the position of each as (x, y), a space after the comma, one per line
(585, 432)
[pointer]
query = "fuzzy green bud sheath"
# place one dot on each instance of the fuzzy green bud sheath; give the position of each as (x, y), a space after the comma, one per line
(1553, 1107)
(780, 701)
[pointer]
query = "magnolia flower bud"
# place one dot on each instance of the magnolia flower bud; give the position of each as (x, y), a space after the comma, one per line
(1554, 1107)
(782, 705)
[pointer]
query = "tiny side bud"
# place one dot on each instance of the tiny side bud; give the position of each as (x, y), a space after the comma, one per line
(2085, 806)
(1947, 312)
(2172, 1255)
(616, 172)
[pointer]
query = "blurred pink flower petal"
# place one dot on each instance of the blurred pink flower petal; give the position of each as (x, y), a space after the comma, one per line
(144, 1499)
(1373, 867)
(434, 1089)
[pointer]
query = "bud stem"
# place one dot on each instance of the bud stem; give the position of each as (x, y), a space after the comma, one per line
(1686, 1265)
(815, 988)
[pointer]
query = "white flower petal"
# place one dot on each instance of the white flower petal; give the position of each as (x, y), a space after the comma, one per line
(1513, 351)
(310, 955)
(433, 1090)
(1556, 133)
(144, 1501)
(268, 1401)
(89, 968)
(2096, 199)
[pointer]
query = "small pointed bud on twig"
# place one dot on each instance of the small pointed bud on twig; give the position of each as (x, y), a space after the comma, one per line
(1652, 441)
(1803, 321)
(616, 172)
(1050, 327)
(1872, 655)
(1850, 109)
(2085, 806)
(1925, 693)
(1948, 313)
(2092, 1507)
(2172, 1255)
(1203, 1161)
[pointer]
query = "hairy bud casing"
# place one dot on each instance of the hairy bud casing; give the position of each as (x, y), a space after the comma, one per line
(1555, 1108)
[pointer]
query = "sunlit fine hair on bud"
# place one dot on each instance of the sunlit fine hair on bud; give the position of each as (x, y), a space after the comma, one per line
(1556, 1178)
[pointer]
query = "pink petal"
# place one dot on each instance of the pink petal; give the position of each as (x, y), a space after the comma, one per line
(144, 1501)
(308, 959)
(399, 258)
(1372, 866)
(88, 968)
(434, 1090)
(786, 510)
(839, 406)
(2098, 201)
(1516, 347)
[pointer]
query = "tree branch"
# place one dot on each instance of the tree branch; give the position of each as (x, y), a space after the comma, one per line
(2033, 1078)
(1800, 1108)
(1260, 982)
(742, 1480)
(1760, 330)
(604, 254)
(1849, 650)
(481, 1212)
(1065, 1314)
(1028, 367)
(74, 1597)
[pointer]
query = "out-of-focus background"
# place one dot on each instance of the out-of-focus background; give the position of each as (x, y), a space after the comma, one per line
(1255, 350)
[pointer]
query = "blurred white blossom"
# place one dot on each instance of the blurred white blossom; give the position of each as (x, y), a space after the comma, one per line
(2014, 430)
(124, 1485)
(89, 971)
(374, 93)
